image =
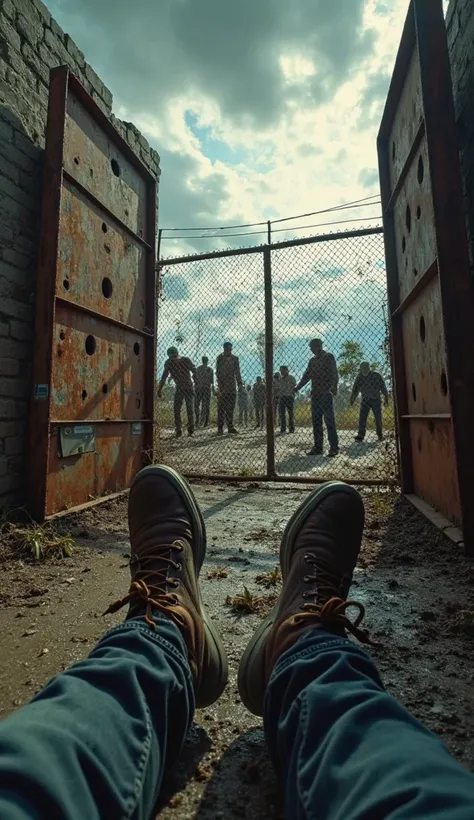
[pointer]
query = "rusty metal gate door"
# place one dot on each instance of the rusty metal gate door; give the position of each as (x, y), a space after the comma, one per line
(429, 283)
(94, 371)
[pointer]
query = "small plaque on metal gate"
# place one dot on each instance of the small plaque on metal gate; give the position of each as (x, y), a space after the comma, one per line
(77, 439)
(137, 428)
(41, 391)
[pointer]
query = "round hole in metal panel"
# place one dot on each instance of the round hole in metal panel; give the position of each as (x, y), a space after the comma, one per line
(115, 167)
(107, 287)
(408, 218)
(138, 403)
(76, 160)
(136, 348)
(104, 227)
(393, 151)
(422, 328)
(444, 384)
(421, 170)
(66, 284)
(90, 345)
(84, 395)
(415, 271)
(418, 212)
(413, 391)
(404, 244)
(62, 335)
(420, 446)
(105, 388)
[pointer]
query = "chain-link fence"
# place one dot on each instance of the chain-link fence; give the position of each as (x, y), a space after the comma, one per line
(235, 412)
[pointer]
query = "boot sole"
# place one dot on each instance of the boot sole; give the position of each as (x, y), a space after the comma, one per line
(212, 687)
(251, 676)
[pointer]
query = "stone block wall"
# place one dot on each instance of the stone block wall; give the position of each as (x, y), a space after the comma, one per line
(460, 28)
(31, 43)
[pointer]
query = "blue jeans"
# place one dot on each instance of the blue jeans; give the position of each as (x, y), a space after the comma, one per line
(97, 740)
(322, 406)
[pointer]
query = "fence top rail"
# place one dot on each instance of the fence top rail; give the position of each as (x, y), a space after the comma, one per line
(289, 243)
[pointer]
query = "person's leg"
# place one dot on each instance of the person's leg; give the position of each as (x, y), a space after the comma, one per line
(363, 415)
(246, 417)
(206, 405)
(230, 409)
(342, 746)
(178, 401)
(282, 408)
(376, 406)
(317, 422)
(290, 403)
(96, 741)
(330, 419)
(198, 405)
(220, 412)
(189, 399)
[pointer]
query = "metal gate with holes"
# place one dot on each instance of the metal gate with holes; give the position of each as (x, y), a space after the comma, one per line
(429, 283)
(94, 367)
(270, 301)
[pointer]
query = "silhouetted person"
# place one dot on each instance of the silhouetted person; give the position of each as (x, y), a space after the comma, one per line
(323, 375)
(372, 387)
(181, 369)
(204, 387)
(243, 401)
(228, 380)
(250, 401)
(259, 400)
(276, 397)
(287, 385)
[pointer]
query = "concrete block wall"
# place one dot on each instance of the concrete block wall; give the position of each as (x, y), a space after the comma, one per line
(460, 29)
(31, 43)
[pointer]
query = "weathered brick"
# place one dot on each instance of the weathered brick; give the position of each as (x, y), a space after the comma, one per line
(57, 30)
(14, 445)
(11, 56)
(21, 330)
(8, 409)
(8, 34)
(3, 464)
(13, 388)
(18, 310)
(11, 172)
(74, 51)
(16, 193)
(31, 59)
(11, 428)
(6, 132)
(100, 103)
(94, 79)
(9, 367)
(42, 11)
(4, 330)
(30, 28)
(27, 146)
(11, 348)
(8, 483)
(11, 257)
(22, 278)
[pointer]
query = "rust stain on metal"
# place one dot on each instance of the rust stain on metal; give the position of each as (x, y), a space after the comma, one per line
(95, 311)
(428, 275)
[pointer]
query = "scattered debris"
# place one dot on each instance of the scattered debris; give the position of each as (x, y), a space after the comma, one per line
(269, 579)
(248, 602)
(43, 652)
(219, 572)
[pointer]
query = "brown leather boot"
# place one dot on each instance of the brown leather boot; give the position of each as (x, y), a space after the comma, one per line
(168, 546)
(318, 553)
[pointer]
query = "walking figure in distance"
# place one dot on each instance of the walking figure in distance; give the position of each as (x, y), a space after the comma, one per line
(372, 387)
(287, 386)
(228, 381)
(259, 400)
(250, 402)
(276, 397)
(183, 373)
(97, 741)
(204, 388)
(243, 400)
(323, 375)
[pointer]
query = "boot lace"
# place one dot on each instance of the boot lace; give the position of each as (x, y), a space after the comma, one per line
(327, 606)
(149, 585)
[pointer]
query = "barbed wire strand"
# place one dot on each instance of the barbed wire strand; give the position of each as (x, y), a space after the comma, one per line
(279, 230)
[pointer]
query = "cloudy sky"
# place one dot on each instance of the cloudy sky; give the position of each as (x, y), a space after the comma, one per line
(259, 110)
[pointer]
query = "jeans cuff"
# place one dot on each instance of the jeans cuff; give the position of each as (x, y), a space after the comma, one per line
(309, 645)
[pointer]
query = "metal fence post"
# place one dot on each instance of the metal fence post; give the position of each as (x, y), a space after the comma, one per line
(267, 279)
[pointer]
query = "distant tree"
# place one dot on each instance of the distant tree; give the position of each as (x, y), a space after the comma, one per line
(349, 359)
(260, 347)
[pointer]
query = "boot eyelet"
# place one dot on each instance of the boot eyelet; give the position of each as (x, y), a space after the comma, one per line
(178, 566)
(307, 579)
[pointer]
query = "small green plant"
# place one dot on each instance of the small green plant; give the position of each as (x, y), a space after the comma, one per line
(269, 579)
(37, 542)
(243, 603)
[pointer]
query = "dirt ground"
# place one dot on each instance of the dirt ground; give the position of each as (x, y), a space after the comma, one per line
(245, 454)
(415, 584)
